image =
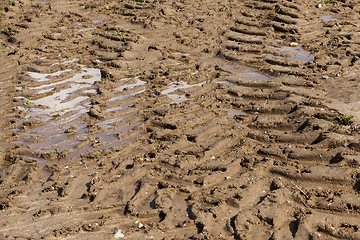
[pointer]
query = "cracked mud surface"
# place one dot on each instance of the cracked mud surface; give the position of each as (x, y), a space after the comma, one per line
(180, 119)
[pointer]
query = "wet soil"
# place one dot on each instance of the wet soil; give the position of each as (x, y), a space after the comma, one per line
(179, 119)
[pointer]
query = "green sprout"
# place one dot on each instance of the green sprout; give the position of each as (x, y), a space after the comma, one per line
(345, 120)
(63, 110)
(117, 32)
(27, 101)
(11, 3)
(5, 30)
(27, 118)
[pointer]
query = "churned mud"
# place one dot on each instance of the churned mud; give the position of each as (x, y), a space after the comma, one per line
(164, 119)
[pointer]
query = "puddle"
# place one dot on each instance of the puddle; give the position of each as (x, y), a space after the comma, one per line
(172, 87)
(122, 107)
(110, 122)
(328, 18)
(254, 75)
(128, 87)
(301, 55)
(59, 101)
(241, 70)
(65, 62)
(225, 82)
(132, 85)
(100, 20)
(229, 96)
(41, 77)
(231, 112)
(182, 54)
(64, 99)
(126, 96)
(87, 29)
(91, 91)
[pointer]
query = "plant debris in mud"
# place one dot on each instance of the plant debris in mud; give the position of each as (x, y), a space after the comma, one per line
(345, 120)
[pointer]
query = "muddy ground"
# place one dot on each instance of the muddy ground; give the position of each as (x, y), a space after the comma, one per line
(208, 119)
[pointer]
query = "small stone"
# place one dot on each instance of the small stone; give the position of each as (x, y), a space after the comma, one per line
(294, 44)
(325, 77)
(118, 234)
(140, 225)
(319, 5)
(275, 184)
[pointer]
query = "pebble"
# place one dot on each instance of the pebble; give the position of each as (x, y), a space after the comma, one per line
(294, 44)
(118, 234)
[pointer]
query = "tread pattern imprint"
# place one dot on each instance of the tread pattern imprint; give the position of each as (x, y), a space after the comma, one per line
(164, 119)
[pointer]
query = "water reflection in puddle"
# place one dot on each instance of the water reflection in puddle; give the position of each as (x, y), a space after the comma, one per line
(86, 29)
(301, 55)
(64, 101)
(45, 77)
(182, 54)
(100, 20)
(254, 75)
(231, 113)
(239, 70)
(112, 122)
(58, 101)
(132, 85)
(225, 82)
(328, 18)
(172, 87)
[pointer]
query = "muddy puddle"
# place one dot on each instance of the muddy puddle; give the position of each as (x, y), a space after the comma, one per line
(64, 100)
(296, 53)
(64, 103)
(173, 87)
(328, 18)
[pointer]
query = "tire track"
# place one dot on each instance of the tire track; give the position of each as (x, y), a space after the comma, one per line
(196, 120)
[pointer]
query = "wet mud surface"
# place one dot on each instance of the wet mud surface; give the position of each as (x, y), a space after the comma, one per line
(180, 119)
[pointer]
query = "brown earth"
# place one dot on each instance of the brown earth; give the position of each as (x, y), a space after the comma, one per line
(180, 119)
